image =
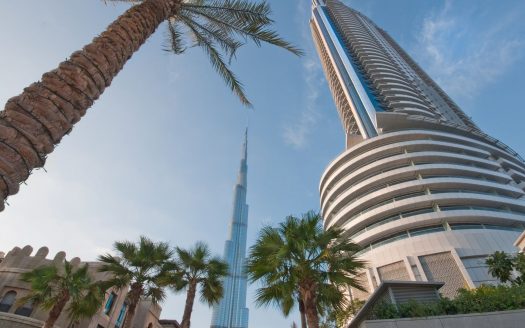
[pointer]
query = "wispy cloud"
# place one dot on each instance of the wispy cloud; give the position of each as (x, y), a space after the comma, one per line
(297, 134)
(465, 57)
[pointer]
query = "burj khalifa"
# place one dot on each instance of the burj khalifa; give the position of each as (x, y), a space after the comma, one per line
(231, 311)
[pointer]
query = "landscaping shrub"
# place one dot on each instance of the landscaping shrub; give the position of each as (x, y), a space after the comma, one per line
(482, 299)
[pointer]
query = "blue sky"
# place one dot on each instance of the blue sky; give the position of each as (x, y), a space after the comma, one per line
(158, 153)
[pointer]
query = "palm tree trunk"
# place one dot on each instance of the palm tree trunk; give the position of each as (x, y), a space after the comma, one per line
(33, 122)
(130, 315)
(56, 311)
(301, 311)
(188, 308)
(133, 297)
(308, 295)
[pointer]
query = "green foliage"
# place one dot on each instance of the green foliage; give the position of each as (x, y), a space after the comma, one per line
(144, 266)
(297, 257)
(197, 266)
(519, 266)
(507, 268)
(338, 318)
(55, 283)
(482, 299)
(220, 28)
(500, 266)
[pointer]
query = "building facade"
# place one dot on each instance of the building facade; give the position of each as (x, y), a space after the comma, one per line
(110, 315)
(231, 311)
(420, 187)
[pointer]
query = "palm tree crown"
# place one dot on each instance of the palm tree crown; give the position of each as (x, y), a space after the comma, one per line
(299, 258)
(34, 122)
(220, 28)
(197, 268)
(142, 267)
(53, 287)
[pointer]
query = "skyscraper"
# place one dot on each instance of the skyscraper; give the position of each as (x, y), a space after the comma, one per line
(420, 187)
(231, 312)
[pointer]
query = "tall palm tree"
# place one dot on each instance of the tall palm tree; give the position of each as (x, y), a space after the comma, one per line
(196, 268)
(320, 264)
(142, 267)
(53, 287)
(33, 122)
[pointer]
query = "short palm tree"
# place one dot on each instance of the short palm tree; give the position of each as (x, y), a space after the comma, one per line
(139, 267)
(33, 122)
(500, 265)
(197, 268)
(53, 287)
(320, 264)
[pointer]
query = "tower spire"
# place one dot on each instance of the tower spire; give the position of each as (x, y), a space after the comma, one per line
(243, 170)
(245, 145)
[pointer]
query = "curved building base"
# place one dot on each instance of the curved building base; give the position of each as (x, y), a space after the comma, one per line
(426, 204)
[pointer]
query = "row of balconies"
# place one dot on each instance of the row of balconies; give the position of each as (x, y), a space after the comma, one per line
(375, 189)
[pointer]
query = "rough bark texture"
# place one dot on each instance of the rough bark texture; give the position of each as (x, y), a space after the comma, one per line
(56, 311)
(188, 308)
(33, 122)
(301, 311)
(134, 295)
(309, 296)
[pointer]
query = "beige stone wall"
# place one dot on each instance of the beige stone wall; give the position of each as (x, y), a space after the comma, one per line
(8, 320)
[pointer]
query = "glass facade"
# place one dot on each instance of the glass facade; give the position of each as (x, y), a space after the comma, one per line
(231, 311)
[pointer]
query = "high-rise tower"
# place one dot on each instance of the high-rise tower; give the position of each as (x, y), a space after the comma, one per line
(231, 312)
(420, 187)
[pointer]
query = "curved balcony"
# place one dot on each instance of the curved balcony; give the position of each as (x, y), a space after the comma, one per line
(419, 179)
(414, 225)
(368, 194)
(396, 139)
(422, 205)
(355, 161)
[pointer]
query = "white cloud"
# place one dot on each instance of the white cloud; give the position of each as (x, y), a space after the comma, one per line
(464, 57)
(297, 133)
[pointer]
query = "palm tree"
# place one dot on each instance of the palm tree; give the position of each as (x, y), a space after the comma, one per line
(54, 287)
(500, 266)
(142, 267)
(320, 264)
(35, 121)
(196, 268)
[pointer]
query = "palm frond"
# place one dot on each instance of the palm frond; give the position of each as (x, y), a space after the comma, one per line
(175, 38)
(155, 294)
(249, 12)
(218, 62)
(212, 290)
(254, 28)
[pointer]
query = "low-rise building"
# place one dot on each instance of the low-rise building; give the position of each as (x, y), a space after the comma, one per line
(110, 315)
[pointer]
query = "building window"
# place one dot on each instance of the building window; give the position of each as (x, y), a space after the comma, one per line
(121, 316)
(7, 301)
(25, 310)
(109, 303)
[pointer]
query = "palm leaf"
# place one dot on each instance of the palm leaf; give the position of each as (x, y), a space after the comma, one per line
(218, 62)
